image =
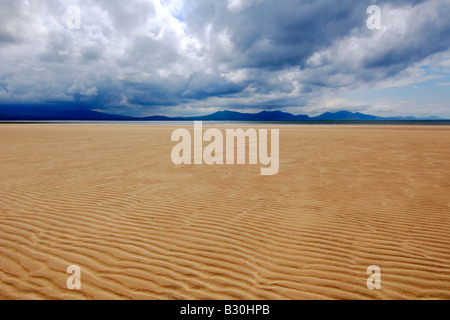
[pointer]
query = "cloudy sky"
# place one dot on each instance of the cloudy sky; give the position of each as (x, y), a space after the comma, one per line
(191, 57)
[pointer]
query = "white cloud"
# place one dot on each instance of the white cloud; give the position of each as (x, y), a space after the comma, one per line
(90, 92)
(236, 6)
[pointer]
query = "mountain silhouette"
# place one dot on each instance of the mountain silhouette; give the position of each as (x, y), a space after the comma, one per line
(50, 113)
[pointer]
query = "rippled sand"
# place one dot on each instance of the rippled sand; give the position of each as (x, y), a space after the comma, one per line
(108, 199)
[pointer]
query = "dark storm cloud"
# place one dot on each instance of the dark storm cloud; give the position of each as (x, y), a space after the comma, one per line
(202, 85)
(141, 56)
(275, 34)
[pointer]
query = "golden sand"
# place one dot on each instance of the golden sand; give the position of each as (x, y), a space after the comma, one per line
(108, 199)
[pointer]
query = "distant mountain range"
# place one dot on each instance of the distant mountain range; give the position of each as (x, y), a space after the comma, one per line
(47, 113)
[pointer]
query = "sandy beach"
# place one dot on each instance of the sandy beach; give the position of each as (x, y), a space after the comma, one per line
(108, 199)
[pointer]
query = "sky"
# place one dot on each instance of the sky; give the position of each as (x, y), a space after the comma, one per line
(196, 57)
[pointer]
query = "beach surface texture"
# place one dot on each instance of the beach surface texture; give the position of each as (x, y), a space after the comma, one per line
(108, 199)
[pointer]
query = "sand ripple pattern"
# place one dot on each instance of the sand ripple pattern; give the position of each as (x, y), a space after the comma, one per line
(109, 199)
